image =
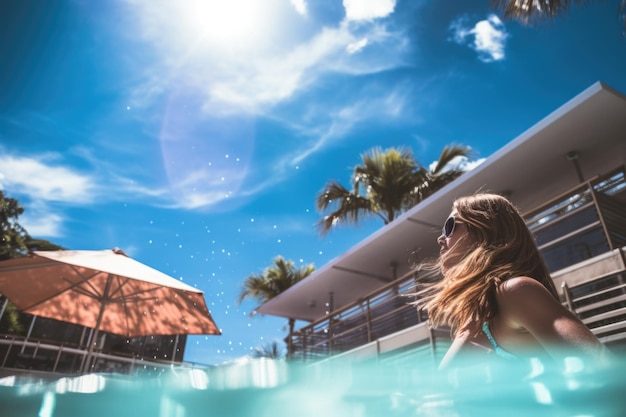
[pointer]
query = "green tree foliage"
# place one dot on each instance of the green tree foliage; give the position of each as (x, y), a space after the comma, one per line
(14, 236)
(15, 242)
(386, 184)
(274, 350)
(11, 319)
(275, 280)
(530, 12)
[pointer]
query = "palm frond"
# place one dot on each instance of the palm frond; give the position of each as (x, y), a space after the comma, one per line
(272, 350)
(443, 172)
(332, 193)
(350, 207)
(530, 12)
(448, 155)
(256, 287)
(385, 184)
(274, 280)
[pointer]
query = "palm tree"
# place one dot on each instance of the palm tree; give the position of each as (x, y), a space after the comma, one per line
(378, 188)
(273, 350)
(273, 281)
(386, 184)
(532, 11)
(445, 170)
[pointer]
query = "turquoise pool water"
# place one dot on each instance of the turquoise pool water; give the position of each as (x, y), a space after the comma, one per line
(266, 388)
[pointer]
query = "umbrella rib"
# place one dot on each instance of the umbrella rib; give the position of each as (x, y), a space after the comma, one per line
(72, 287)
(120, 285)
(82, 290)
(140, 306)
(96, 293)
(120, 289)
(119, 297)
(133, 299)
(135, 295)
(126, 310)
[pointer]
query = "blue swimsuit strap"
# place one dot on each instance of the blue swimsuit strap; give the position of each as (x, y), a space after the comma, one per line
(499, 351)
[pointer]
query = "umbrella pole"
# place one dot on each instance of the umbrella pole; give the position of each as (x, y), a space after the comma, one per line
(94, 334)
(30, 330)
(175, 349)
(92, 341)
(4, 307)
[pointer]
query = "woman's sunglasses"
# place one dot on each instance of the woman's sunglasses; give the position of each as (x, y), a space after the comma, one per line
(448, 226)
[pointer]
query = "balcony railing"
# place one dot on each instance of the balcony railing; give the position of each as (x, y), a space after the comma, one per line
(581, 224)
(381, 313)
(596, 293)
(22, 355)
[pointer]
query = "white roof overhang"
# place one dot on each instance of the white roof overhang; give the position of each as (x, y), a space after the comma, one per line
(530, 169)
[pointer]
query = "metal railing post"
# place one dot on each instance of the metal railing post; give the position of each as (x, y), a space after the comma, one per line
(331, 319)
(30, 330)
(58, 358)
(568, 297)
(6, 356)
(605, 229)
(174, 350)
(433, 344)
(4, 307)
(369, 320)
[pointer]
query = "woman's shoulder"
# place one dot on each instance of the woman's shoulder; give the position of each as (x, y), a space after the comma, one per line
(524, 298)
(521, 286)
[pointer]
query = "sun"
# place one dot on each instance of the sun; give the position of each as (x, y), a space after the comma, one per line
(227, 23)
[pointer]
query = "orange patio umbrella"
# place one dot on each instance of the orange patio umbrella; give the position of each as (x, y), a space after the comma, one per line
(105, 290)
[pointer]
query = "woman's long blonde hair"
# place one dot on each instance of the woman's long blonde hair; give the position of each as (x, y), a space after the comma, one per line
(501, 248)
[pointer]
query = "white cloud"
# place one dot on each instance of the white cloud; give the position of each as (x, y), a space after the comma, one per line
(223, 79)
(202, 188)
(39, 181)
(300, 6)
(266, 82)
(269, 69)
(42, 223)
(33, 177)
(355, 47)
(258, 85)
(468, 165)
(199, 199)
(459, 162)
(357, 10)
(487, 37)
(343, 120)
(45, 185)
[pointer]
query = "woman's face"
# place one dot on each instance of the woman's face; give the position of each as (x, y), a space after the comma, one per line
(454, 239)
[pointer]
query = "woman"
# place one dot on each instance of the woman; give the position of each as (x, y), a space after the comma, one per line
(496, 293)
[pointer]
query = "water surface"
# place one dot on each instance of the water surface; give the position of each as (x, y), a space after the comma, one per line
(339, 388)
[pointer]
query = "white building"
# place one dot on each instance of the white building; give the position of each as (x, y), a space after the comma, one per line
(565, 173)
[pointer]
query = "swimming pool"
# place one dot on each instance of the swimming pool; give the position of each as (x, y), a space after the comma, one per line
(264, 388)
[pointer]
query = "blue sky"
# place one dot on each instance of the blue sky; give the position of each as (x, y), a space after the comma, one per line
(195, 135)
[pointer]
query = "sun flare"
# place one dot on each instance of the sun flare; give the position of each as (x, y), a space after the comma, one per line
(228, 23)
